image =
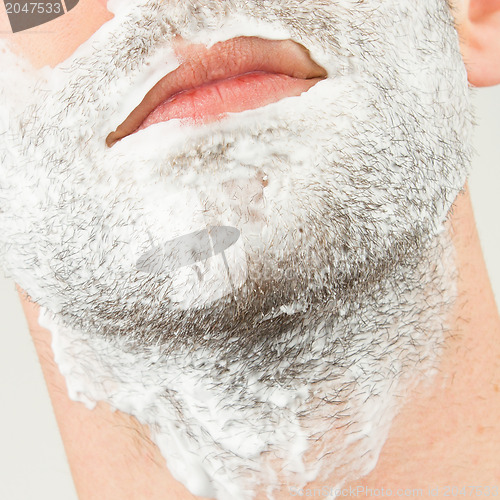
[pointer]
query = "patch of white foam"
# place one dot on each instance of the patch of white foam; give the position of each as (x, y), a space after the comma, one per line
(96, 369)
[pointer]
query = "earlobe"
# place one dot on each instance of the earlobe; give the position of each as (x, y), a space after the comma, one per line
(479, 29)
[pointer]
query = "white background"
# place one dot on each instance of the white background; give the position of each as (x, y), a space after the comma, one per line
(32, 460)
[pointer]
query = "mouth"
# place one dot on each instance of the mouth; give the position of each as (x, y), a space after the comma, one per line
(232, 76)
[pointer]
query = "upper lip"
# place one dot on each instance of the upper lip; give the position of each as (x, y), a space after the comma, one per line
(237, 56)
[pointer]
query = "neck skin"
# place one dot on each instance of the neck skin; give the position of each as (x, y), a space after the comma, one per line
(447, 433)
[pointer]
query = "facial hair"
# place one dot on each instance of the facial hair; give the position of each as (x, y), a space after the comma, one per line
(332, 303)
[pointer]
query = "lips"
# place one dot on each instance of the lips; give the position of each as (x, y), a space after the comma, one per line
(232, 76)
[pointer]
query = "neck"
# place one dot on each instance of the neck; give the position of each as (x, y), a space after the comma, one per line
(448, 431)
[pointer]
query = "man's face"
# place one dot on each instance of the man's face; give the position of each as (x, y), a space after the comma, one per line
(262, 238)
(327, 190)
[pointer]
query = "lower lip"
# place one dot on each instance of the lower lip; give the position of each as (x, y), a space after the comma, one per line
(211, 102)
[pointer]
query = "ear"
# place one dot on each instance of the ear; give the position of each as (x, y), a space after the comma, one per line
(478, 24)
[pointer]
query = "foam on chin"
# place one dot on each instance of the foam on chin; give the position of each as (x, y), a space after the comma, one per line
(219, 449)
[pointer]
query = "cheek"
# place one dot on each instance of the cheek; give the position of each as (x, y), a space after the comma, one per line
(53, 42)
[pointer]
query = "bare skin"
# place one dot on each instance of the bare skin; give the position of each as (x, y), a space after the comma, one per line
(446, 434)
